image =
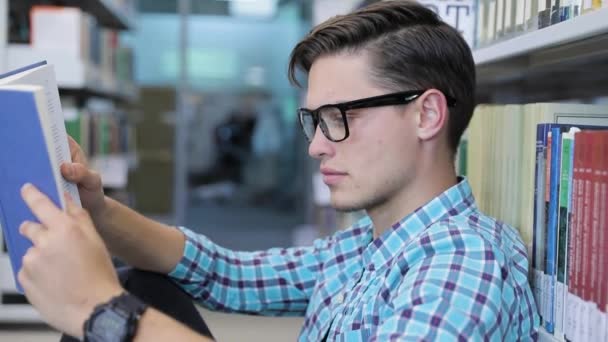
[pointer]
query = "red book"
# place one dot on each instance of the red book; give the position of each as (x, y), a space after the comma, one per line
(587, 222)
(576, 237)
(603, 248)
(596, 172)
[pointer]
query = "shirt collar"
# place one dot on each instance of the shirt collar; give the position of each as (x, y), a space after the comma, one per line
(453, 201)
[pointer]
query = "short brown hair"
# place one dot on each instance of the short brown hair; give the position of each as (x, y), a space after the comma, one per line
(411, 48)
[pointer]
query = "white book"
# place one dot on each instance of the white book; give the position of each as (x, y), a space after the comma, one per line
(500, 17)
(583, 321)
(508, 21)
(605, 326)
(61, 29)
(538, 283)
(481, 30)
(559, 309)
(491, 21)
(547, 296)
(568, 310)
(520, 7)
(596, 328)
(591, 324)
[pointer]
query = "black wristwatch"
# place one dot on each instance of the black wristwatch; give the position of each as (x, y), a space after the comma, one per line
(115, 320)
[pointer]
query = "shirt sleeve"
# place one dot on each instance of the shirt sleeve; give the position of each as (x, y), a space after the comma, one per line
(277, 281)
(454, 290)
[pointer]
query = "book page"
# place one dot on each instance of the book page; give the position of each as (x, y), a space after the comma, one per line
(44, 76)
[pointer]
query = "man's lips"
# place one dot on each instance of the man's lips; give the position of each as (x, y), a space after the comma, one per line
(332, 176)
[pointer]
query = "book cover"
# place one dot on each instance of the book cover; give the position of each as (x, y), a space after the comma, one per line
(33, 145)
(28, 161)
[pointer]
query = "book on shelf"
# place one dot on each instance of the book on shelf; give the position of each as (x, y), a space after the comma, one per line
(503, 19)
(563, 225)
(65, 35)
(557, 153)
(33, 145)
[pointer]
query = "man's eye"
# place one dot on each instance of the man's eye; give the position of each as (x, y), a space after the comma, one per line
(335, 118)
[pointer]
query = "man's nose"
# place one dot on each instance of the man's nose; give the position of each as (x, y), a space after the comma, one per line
(320, 146)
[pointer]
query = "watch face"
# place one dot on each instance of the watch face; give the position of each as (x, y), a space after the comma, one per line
(108, 326)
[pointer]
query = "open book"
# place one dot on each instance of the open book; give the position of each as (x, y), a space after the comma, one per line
(33, 145)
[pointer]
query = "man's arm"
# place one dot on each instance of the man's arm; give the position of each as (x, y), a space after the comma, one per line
(137, 240)
(278, 281)
(156, 326)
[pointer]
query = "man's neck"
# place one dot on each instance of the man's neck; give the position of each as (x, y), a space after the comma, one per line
(416, 194)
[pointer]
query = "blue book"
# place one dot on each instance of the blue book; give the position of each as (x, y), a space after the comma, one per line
(552, 218)
(33, 145)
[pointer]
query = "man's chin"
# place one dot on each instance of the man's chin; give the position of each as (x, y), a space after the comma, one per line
(346, 206)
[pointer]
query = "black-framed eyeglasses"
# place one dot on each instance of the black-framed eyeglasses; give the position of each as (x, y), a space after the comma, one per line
(332, 117)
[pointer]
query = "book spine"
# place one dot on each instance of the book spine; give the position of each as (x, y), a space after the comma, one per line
(562, 232)
(538, 241)
(539, 217)
(577, 236)
(570, 250)
(603, 287)
(602, 284)
(594, 294)
(545, 226)
(587, 233)
(552, 226)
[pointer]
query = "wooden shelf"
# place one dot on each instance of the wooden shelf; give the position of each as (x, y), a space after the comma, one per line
(563, 61)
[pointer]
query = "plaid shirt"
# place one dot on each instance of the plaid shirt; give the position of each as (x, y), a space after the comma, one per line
(444, 272)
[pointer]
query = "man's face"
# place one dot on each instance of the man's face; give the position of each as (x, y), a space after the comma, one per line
(376, 162)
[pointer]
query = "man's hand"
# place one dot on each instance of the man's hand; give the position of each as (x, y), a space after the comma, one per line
(89, 183)
(68, 271)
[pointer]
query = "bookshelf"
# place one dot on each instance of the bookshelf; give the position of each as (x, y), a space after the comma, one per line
(79, 80)
(563, 61)
(567, 61)
(75, 76)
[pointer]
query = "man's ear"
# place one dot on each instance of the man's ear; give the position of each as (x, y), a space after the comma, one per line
(433, 114)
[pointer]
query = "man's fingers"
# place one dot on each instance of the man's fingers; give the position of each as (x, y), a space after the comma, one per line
(33, 231)
(71, 206)
(75, 151)
(77, 212)
(81, 175)
(67, 171)
(42, 207)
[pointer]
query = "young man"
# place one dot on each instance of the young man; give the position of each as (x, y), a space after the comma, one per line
(390, 91)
